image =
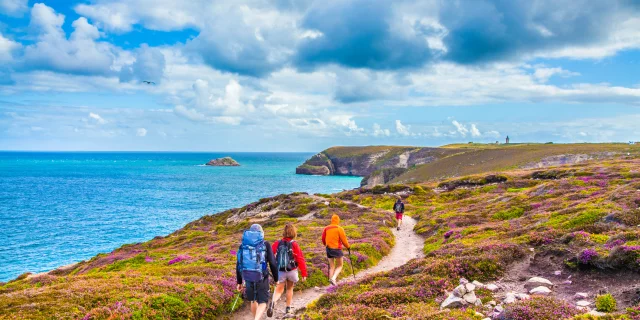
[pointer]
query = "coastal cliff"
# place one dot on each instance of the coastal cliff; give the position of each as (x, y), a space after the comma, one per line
(390, 164)
(378, 164)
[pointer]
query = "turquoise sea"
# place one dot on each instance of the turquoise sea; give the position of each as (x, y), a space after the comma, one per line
(58, 208)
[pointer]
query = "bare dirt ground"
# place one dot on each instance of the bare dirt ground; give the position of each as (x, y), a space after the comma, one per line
(408, 246)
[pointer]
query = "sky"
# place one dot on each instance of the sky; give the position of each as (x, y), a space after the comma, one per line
(302, 75)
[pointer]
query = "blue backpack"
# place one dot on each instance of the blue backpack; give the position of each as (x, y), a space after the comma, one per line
(252, 256)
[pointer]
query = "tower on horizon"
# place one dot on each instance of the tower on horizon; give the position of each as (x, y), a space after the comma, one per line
(507, 140)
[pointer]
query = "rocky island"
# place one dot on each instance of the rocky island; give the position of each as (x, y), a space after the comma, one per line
(223, 162)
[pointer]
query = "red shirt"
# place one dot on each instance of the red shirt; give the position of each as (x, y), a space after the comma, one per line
(297, 255)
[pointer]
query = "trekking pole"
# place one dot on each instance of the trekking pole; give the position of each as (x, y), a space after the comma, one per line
(235, 302)
(351, 263)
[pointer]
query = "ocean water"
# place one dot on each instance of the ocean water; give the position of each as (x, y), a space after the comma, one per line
(60, 208)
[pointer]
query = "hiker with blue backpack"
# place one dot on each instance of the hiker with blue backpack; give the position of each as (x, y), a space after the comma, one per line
(289, 259)
(251, 267)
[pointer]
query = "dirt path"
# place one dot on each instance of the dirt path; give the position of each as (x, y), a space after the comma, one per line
(408, 246)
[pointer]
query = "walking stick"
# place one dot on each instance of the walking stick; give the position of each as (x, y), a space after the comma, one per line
(351, 263)
(235, 302)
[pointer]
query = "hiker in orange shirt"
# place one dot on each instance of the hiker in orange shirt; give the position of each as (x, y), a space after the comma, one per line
(333, 237)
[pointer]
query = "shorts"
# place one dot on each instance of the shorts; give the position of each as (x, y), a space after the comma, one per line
(258, 291)
(334, 253)
(399, 215)
(288, 275)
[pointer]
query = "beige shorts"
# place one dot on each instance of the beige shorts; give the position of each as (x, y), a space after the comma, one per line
(288, 275)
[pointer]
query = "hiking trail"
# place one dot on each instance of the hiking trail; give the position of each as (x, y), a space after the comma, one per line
(408, 246)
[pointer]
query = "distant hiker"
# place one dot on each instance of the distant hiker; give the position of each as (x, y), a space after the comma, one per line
(251, 266)
(398, 207)
(333, 237)
(289, 259)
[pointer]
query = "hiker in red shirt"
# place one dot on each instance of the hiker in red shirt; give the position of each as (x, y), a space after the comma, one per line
(289, 259)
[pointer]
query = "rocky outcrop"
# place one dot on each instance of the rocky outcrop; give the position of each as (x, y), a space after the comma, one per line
(377, 164)
(568, 159)
(223, 162)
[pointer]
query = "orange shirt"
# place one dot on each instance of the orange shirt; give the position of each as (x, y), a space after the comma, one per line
(333, 235)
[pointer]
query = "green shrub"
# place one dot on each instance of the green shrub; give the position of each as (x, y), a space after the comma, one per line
(512, 213)
(606, 303)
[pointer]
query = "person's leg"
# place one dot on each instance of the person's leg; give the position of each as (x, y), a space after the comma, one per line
(260, 310)
(332, 267)
(278, 293)
(290, 285)
(254, 307)
(338, 269)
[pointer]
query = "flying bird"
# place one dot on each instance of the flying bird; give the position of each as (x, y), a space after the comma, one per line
(148, 82)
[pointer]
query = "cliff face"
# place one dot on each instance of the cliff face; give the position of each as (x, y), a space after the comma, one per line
(387, 164)
(378, 164)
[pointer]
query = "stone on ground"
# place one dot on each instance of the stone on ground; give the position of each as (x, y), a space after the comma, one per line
(470, 297)
(491, 287)
(537, 282)
(581, 295)
(452, 302)
(541, 290)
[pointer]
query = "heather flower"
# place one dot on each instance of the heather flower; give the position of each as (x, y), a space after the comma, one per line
(148, 259)
(448, 234)
(614, 243)
(179, 259)
(587, 255)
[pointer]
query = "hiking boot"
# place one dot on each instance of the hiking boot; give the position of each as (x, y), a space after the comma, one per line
(333, 282)
(398, 228)
(270, 309)
(289, 311)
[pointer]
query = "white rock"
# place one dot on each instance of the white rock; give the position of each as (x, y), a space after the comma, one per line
(463, 281)
(537, 282)
(541, 290)
(487, 318)
(452, 302)
(478, 303)
(459, 291)
(510, 298)
(491, 287)
(581, 295)
(478, 283)
(498, 309)
(597, 313)
(523, 296)
(492, 303)
(583, 303)
(470, 297)
(557, 273)
(478, 314)
(470, 287)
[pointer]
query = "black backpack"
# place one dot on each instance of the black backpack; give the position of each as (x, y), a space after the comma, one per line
(284, 256)
(398, 207)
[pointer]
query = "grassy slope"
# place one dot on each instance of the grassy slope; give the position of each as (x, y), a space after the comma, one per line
(479, 230)
(479, 158)
(190, 273)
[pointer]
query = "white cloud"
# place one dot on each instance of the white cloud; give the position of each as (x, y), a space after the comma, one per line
(7, 48)
(13, 8)
(402, 129)
(141, 132)
(149, 65)
(462, 129)
(474, 131)
(379, 132)
(97, 118)
(80, 54)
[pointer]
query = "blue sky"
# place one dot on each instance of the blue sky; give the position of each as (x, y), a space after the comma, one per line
(281, 75)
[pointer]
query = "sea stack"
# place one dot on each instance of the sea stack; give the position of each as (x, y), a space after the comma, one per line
(223, 162)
